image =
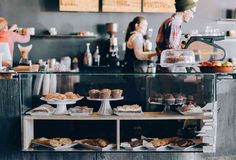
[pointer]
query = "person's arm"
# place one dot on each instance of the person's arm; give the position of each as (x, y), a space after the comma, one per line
(138, 47)
(175, 33)
(21, 38)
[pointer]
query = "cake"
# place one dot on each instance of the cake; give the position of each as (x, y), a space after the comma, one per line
(130, 108)
(169, 99)
(105, 93)
(94, 93)
(116, 93)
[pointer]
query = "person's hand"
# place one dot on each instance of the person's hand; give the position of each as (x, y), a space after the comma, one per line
(13, 27)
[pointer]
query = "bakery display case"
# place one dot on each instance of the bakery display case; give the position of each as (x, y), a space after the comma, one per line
(118, 112)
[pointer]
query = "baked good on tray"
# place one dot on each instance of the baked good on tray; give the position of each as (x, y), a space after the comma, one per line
(71, 95)
(95, 142)
(162, 142)
(45, 108)
(184, 142)
(105, 93)
(94, 93)
(59, 96)
(53, 142)
(116, 93)
(129, 108)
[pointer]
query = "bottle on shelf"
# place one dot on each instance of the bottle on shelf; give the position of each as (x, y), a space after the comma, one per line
(88, 56)
(96, 57)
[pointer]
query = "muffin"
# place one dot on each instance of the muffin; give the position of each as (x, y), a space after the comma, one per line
(94, 93)
(169, 99)
(116, 93)
(179, 99)
(105, 93)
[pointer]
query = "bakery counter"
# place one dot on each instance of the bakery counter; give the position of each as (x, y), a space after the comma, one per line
(95, 116)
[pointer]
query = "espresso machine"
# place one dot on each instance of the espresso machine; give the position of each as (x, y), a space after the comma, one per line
(112, 55)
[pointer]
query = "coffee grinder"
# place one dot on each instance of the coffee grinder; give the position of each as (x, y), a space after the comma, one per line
(112, 55)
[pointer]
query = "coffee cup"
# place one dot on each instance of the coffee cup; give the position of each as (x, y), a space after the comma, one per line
(52, 31)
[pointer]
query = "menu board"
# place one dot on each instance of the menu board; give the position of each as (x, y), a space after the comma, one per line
(79, 5)
(121, 5)
(164, 6)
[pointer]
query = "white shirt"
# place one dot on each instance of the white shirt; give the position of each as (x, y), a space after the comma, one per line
(136, 42)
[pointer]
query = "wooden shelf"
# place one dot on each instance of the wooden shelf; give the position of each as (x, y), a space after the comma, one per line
(95, 116)
(62, 36)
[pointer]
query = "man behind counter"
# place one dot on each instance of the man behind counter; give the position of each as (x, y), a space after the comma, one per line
(10, 37)
(169, 34)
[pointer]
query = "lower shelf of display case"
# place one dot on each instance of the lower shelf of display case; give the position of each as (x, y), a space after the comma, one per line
(144, 116)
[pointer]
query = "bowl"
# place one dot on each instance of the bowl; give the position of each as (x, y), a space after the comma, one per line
(224, 69)
(206, 69)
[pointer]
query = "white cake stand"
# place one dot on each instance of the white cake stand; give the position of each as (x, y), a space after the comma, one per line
(105, 108)
(61, 104)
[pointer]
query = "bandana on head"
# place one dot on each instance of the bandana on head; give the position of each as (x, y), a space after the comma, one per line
(183, 5)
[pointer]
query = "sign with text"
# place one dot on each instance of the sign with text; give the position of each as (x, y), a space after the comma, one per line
(79, 5)
(165, 6)
(121, 6)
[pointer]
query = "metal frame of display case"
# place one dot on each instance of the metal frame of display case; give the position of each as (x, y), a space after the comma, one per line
(210, 115)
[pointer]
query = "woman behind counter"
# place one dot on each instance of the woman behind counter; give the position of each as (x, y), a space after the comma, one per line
(136, 59)
(10, 37)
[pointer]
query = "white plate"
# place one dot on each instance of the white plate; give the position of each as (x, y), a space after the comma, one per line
(40, 113)
(151, 147)
(127, 146)
(109, 99)
(188, 112)
(65, 101)
(57, 148)
(126, 113)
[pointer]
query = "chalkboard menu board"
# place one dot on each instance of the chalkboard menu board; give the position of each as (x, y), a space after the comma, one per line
(121, 5)
(159, 6)
(79, 5)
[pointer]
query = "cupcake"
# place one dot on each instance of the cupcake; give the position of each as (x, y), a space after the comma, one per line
(94, 93)
(116, 93)
(169, 99)
(105, 93)
(179, 99)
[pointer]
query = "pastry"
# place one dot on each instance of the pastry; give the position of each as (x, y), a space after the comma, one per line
(54, 143)
(102, 143)
(116, 93)
(184, 143)
(41, 140)
(94, 93)
(45, 108)
(105, 93)
(162, 142)
(95, 142)
(65, 141)
(130, 108)
(71, 95)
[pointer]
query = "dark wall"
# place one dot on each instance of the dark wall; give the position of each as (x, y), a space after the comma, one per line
(43, 14)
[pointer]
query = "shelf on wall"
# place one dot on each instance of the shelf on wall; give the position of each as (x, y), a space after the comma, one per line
(62, 36)
(226, 21)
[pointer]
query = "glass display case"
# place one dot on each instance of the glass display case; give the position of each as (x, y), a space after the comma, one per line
(118, 112)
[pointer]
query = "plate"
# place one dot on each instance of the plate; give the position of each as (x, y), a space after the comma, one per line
(40, 113)
(126, 113)
(57, 148)
(191, 112)
(58, 101)
(127, 146)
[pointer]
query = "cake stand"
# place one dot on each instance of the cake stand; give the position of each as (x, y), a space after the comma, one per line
(61, 104)
(105, 108)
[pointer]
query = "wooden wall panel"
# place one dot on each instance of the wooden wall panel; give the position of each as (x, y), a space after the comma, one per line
(121, 6)
(164, 6)
(79, 5)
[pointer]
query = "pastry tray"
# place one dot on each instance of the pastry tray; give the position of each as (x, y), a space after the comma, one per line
(150, 146)
(157, 103)
(189, 112)
(56, 148)
(97, 148)
(81, 113)
(58, 101)
(127, 113)
(127, 146)
(40, 113)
